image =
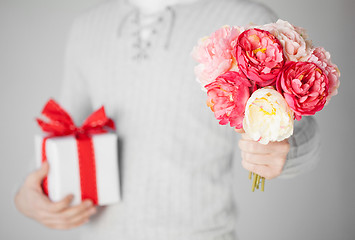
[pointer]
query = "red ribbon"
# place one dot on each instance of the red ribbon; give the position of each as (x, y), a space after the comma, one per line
(61, 124)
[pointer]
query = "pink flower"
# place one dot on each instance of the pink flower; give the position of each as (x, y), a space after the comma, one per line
(227, 97)
(293, 39)
(301, 31)
(304, 86)
(215, 54)
(259, 56)
(322, 58)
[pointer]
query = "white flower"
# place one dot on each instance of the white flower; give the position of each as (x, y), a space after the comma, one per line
(267, 116)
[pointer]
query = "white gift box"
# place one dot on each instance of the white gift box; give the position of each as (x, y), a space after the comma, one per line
(64, 174)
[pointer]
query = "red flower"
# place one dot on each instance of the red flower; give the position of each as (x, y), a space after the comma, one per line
(227, 97)
(259, 56)
(304, 86)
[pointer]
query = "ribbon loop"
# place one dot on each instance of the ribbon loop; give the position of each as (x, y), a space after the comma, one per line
(60, 122)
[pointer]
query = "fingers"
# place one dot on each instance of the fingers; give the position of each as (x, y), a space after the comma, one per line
(63, 226)
(71, 217)
(263, 170)
(77, 215)
(251, 146)
(83, 217)
(55, 207)
(78, 210)
(265, 160)
(261, 159)
(241, 130)
(60, 223)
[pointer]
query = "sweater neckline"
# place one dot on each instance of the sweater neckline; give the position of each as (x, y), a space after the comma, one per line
(160, 10)
(146, 33)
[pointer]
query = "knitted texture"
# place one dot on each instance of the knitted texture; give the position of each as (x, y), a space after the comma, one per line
(176, 159)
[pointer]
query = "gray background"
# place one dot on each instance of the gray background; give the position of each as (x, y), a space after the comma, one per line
(316, 205)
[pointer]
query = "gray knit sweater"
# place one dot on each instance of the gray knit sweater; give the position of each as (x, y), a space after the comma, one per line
(176, 173)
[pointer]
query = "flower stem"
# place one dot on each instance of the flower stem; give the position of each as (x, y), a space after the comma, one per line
(262, 184)
(254, 182)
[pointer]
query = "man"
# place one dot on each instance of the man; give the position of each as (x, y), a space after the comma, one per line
(134, 58)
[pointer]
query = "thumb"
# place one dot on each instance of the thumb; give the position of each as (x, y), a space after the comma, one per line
(38, 175)
(239, 130)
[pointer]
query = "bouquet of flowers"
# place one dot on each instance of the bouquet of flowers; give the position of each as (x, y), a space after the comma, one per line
(261, 78)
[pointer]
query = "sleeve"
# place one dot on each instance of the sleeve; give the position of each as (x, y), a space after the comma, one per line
(304, 148)
(74, 96)
(262, 14)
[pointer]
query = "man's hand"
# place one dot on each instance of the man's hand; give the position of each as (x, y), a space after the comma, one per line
(32, 202)
(264, 160)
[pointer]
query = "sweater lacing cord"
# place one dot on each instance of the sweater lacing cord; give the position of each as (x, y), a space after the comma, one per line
(146, 27)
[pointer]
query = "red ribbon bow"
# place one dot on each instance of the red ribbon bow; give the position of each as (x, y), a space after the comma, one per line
(61, 124)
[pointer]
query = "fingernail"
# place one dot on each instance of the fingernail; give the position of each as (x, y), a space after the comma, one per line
(92, 211)
(88, 203)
